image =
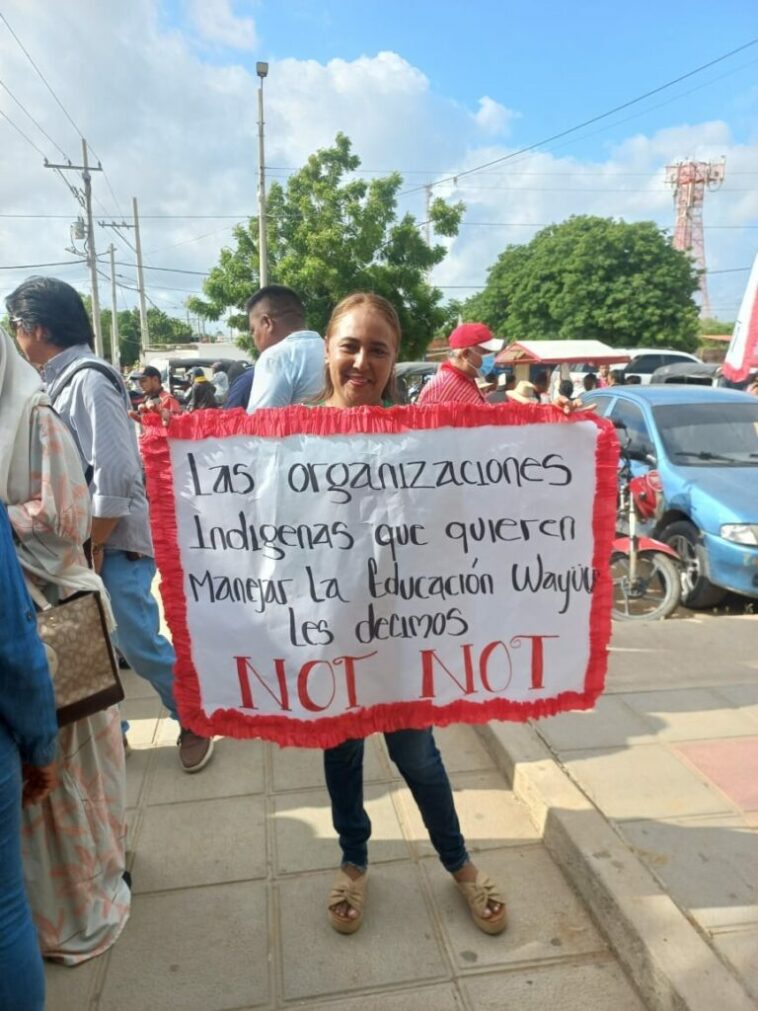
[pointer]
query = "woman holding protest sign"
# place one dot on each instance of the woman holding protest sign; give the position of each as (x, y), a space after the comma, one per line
(362, 341)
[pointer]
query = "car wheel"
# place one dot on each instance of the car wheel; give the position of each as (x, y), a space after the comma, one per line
(697, 591)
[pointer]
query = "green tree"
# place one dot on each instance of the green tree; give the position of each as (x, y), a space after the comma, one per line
(593, 278)
(709, 325)
(330, 234)
(163, 329)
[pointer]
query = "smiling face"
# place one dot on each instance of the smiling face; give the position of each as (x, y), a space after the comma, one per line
(360, 354)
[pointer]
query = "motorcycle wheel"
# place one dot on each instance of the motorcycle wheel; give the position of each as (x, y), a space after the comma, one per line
(656, 590)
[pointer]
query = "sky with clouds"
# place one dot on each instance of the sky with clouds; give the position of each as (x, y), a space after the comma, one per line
(165, 92)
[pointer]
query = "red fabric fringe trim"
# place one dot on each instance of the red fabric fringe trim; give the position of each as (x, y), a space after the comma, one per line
(279, 423)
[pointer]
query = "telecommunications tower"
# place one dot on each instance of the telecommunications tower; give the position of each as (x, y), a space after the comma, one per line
(690, 179)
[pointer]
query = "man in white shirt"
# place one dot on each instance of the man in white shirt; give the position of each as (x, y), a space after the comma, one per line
(290, 369)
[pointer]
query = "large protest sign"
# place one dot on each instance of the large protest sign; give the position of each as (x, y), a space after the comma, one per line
(330, 573)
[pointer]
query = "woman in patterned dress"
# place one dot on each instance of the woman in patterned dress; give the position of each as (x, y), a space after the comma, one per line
(74, 841)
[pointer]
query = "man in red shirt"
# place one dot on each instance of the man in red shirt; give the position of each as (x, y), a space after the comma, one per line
(157, 399)
(456, 378)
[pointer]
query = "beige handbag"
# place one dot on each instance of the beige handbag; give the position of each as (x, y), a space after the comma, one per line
(79, 653)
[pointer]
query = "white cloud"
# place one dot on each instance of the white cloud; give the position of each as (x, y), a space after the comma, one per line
(492, 118)
(216, 22)
(179, 132)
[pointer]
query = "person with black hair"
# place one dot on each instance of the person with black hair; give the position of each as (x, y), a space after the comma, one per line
(565, 400)
(541, 385)
(53, 330)
(241, 375)
(202, 396)
(291, 363)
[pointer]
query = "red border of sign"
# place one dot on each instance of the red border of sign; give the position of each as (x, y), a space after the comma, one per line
(737, 373)
(299, 420)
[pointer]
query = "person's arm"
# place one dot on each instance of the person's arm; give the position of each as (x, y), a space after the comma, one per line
(57, 515)
(27, 703)
(272, 383)
(108, 442)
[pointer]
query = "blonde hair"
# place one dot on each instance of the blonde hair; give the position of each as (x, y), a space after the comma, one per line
(382, 307)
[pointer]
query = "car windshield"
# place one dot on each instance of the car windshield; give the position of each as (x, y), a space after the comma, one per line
(702, 435)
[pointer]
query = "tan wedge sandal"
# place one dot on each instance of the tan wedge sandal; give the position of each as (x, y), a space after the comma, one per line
(345, 889)
(478, 894)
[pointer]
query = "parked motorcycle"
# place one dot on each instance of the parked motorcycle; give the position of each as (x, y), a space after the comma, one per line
(645, 572)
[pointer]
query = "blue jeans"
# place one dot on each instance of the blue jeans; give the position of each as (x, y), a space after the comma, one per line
(22, 980)
(137, 637)
(419, 763)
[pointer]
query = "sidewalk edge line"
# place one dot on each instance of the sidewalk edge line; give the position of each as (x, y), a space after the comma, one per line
(672, 966)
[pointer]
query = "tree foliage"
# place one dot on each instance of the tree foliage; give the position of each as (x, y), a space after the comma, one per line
(330, 234)
(709, 325)
(163, 329)
(592, 278)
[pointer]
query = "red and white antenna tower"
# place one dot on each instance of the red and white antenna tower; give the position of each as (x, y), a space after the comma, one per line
(689, 179)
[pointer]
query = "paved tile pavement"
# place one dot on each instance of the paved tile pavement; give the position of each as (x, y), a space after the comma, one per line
(674, 771)
(232, 867)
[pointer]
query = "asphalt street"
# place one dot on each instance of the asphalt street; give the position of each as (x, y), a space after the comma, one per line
(698, 648)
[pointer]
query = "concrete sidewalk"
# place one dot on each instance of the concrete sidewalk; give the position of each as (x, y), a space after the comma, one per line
(650, 805)
(232, 869)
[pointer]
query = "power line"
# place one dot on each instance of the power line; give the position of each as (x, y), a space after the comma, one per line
(60, 104)
(19, 130)
(32, 266)
(41, 75)
(483, 284)
(589, 191)
(168, 270)
(29, 116)
(184, 242)
(588, 122)
(502, 175)
(237, 217)
(546, 224)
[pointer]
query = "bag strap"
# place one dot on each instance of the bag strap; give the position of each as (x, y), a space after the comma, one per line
(93, 364)
(38, 597)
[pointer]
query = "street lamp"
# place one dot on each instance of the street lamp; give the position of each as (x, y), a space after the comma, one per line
(261, 70)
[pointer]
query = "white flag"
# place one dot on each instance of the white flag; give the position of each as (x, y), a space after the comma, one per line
(743, 347)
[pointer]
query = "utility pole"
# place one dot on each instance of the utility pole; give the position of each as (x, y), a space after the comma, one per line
(144, 330)
(428, 190)
(137, 247)
(115, 351)
(261, 70)
(86, 169)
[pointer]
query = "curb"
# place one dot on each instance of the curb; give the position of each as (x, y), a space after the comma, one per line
(670, 963)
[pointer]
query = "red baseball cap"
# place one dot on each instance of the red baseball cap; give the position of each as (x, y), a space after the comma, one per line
(469, 335)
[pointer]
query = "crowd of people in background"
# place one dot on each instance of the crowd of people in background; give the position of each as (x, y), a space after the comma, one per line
(75, 515)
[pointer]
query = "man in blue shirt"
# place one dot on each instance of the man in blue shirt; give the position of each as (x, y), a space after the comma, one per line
(53, 331)
(239, 387)
(290, 369)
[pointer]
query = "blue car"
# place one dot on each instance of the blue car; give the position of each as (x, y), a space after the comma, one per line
(704, 444)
